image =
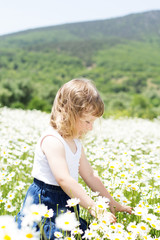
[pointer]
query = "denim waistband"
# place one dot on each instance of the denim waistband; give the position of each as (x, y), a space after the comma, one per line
(45, 185)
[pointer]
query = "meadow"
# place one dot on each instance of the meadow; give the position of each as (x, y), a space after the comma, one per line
(125, 152)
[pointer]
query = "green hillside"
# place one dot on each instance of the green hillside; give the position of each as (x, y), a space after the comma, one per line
(121, 55)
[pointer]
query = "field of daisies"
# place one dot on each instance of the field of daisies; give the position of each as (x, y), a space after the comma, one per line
(124, 152)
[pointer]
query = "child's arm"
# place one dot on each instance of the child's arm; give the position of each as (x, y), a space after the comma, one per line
(95, 183)
(54, 151)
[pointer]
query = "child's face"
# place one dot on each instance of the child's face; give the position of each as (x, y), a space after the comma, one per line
(85, 124)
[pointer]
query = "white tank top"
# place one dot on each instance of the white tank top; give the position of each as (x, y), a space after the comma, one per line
(41, 169)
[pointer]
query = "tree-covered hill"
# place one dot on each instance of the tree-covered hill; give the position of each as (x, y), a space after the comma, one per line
(121, 55)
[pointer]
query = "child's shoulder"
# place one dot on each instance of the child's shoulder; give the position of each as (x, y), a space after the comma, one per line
(51, 139)
(50, 131)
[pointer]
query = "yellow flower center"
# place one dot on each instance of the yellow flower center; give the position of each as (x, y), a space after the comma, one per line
(113, 227)
(29, 235)
(46, 215)
(100, 206)
(139, 212)
(6, 237)
(94, 224)
(35, 213)
(66, 223)
(133, 226)
(143, 228)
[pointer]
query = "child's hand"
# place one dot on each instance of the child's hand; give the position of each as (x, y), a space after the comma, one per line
(117, 207)
(97, 214)
(111, 217)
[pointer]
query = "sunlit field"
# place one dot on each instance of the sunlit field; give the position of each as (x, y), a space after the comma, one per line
(124, 152)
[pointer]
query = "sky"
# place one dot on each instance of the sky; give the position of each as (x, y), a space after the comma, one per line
(19, 15)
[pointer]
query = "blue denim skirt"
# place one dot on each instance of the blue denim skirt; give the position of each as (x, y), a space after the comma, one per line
(53, 197)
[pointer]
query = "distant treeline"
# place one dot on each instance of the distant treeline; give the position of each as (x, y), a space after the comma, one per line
(126, 70)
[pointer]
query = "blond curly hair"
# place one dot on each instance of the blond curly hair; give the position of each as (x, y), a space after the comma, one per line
(74, 99)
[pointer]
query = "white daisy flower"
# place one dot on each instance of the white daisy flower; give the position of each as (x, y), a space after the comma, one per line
(58, 234)
(89, 234)
(140, 211)
(10, 195)
(69, 238)
(9, 207)
(94, 225)
(76, 231)
(155, 224)
(143, 228)
(30, 234)
(66, 221)
(49, 213)
(34, 212)
(132, 227)
(72, 202)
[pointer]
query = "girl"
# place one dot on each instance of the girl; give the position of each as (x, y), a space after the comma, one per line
(60, 157)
